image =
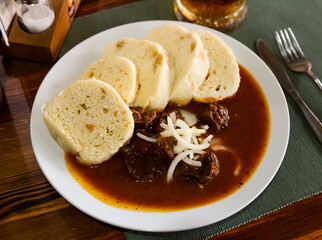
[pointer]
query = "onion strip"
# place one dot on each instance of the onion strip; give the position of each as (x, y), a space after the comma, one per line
(182, 141)
(194, 131)
(219, 148)
(178, 148)
(191, 162)
(176, 161)
(173, 117)
(186, 130)
(163, 125)
(205, 127)
(238, 169)
(195, 140)
(146, 138)
(188, 117)
(207, 139)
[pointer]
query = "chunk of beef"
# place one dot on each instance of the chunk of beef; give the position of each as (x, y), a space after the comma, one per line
(139, 164)
(163, 153)
(208, 169)
(143, 118)
(215, 116)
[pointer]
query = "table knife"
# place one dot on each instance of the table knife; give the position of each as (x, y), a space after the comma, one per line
(274, 64)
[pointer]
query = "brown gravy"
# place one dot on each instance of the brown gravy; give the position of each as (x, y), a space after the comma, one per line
(247, 134)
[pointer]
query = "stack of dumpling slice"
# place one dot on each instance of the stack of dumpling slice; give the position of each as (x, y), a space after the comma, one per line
(91, 118)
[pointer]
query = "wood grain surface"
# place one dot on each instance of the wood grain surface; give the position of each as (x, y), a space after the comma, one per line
(31, 209)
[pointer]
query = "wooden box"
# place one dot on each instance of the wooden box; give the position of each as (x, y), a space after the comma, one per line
(44, 46)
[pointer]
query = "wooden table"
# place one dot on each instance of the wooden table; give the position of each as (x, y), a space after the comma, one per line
(31, 209)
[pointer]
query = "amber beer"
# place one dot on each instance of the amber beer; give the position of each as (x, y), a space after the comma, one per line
(224, 15)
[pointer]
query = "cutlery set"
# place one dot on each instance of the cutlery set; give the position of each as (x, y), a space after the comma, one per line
(296, 61)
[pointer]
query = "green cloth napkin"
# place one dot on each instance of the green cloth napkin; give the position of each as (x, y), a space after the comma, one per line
(300, 174)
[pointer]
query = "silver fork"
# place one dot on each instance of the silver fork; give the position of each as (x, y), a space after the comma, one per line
(293, 54)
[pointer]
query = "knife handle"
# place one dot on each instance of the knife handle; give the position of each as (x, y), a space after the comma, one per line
(313, 121)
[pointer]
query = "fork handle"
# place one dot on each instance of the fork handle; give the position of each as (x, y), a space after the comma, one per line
(316, 80)
(309, 116)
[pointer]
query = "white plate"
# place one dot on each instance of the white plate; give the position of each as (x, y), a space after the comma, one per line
(51, 158)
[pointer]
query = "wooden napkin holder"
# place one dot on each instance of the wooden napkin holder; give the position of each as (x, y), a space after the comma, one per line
(44, 46)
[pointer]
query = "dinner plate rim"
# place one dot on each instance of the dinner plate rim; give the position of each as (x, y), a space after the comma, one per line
(49, 155)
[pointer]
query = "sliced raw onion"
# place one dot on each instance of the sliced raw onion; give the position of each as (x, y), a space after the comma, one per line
(194, 131)
(207, 139)
(146, 138)
(189, 117)
(178, 148)
(195, 140)
(163, 125)
(191, 162)
(186, 130)
(173, 117)
(187, 142)
(219, 148)
(183, 142)
(175, 162)
(215, 140)
(238, 169)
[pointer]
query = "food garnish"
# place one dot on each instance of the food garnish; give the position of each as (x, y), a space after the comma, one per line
(188, 148)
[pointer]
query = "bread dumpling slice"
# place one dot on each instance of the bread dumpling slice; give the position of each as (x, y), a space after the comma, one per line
(153, 76)
(90, 120)
(187, 59)
(223, 78)
(119, 72)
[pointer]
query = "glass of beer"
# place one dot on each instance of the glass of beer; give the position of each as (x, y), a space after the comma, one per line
(223, 15)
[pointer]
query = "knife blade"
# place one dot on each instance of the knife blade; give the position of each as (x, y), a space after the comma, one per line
(274, 64)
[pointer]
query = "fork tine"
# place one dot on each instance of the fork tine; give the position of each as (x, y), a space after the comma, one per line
(296, 44)
(287, 48)
(290, 44)
(281, 47)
